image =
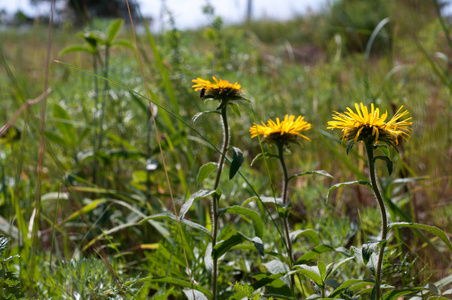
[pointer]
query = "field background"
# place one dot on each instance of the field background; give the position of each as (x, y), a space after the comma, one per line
(312, 65)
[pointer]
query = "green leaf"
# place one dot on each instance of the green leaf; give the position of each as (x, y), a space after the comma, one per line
(235, 109)
(399, 293)
(319, 172)
(237, 160)
(310, 272)
(195, 117)
(345, 285)
(183, 221)
(224, 246)
(205, 171)
(350, 146)
(75, 48)
(432, 229)
(123, 43)
(338, 185)
(198, 195)
(335, 267)
(64, 125)
(387, 160)
(265, 155)
(113, 30)
(312, 235)
(322, 270)
(315, 252)
(84, 210)
(266, 280)
(246, 212)
(178, 282)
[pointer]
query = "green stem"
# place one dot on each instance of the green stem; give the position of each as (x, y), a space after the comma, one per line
(96, 104)
(384, 220)
(216, 198)
(105, 96)
(285, 219)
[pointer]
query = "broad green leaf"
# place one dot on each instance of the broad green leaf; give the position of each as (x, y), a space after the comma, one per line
(318, 172)
(337, 266)
(311, 234)
(76, 48)
(183, 221)
(258, 244)
(387, 160)
(224, 246)
(64, 125)
(205, 171)
(84, 210)
(195, 117)
(113, 30)
(432, 229)
(310, 272)
(266, 280)
(432, 287)
(237, 160)
(322, 270)
(437, 298)
(338, 185)
(254, 216)
(198, 195)
(178, 282)
(315, 252)
(235, 109)
(345, 285)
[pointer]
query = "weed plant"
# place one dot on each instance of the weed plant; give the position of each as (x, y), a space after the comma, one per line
(165, 185)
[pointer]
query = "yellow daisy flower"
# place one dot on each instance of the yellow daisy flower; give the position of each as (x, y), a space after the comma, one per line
(220, 90)
(362, 125)
(281, 132)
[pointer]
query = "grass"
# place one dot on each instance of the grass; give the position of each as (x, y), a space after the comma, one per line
(93, 233)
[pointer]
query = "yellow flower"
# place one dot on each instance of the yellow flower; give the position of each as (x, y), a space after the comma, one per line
(362, 125)
(220, 90)
(281, 132)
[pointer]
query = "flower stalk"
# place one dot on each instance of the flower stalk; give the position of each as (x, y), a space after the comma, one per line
(285, 217)
(216, 197)
(384, 219)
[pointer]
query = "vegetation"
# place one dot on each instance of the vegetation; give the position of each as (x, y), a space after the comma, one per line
(147, 191)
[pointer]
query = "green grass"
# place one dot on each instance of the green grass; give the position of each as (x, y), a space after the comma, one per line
(91, 238)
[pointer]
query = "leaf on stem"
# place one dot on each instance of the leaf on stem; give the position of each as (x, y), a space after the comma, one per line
(205, 171)
(264, 155)
(387, 160)
(195, 117)
(246, 212)
(317, 172)
(198, 195)
(432, 229)
(338, 185)
(113, 30)
(237, 160)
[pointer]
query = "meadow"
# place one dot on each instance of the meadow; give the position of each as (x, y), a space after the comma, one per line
(123, 182)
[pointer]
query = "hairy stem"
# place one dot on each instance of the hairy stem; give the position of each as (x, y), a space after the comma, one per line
(384, 220)
(216, 198)
(285, 219)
